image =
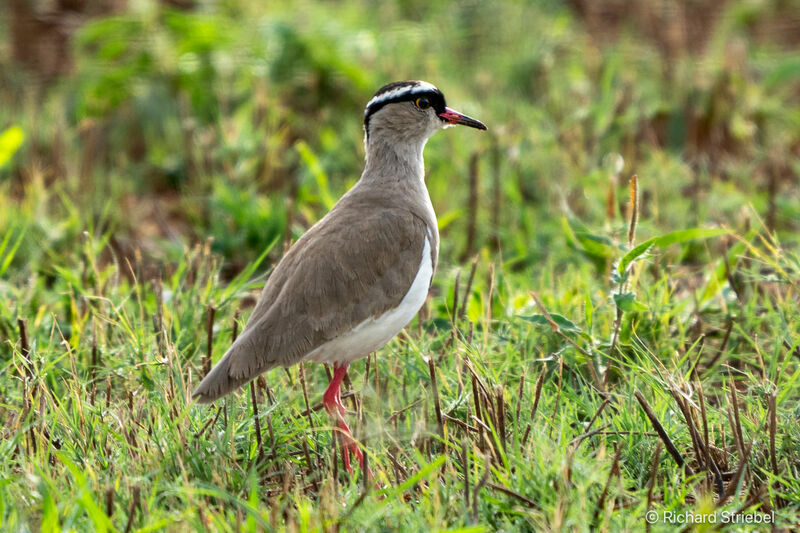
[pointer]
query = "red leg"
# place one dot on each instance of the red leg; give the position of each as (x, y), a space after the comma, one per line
(333, 404)
(331, 399)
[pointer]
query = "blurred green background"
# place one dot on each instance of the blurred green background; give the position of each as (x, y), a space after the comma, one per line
(152, 150)
(172, 121)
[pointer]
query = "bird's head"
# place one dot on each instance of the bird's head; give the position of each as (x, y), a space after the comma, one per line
(410, 112)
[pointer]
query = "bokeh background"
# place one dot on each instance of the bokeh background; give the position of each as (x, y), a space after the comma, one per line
(158, 156)
(173, 121)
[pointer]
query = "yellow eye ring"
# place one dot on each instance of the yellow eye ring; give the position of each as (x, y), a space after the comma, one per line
(422, 103)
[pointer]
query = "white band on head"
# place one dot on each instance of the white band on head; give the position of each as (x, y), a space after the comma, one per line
(418, 88)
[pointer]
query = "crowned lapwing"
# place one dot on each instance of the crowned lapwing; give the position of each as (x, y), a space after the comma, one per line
(358, 276)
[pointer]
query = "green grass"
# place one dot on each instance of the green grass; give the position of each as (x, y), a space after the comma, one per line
(166, 174)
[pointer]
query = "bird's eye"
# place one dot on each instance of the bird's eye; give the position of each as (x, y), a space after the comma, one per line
(422, 103)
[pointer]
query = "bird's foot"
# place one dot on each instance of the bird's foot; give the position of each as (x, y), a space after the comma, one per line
(333, 404)
(349, 445)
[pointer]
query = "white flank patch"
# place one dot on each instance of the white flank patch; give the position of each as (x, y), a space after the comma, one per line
(420, 87)
(374, 333)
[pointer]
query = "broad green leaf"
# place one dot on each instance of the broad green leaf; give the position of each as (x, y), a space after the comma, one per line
(665, 240)
(10, 141)
(689, 235)
(569, 234)
(634, 253)
(596, 245)
(563, 323)
(628, 303)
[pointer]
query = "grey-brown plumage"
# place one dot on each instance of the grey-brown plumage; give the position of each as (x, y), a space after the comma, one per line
(328, 282)
(359, 262)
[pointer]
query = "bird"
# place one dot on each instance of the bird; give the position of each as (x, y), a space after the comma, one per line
(359, 275)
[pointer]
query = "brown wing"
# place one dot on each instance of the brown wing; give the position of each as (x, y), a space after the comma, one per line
(354, 264)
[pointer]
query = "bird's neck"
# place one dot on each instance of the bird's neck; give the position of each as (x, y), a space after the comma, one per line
(386, 160)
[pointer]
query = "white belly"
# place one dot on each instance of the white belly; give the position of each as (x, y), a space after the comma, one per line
(374, 333)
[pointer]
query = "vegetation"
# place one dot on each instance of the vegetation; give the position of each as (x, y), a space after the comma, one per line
(595, 346)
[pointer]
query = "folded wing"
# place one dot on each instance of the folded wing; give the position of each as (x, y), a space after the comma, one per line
(353, 265)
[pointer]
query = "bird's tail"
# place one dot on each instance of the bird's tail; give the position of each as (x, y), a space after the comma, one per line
(218, 382)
